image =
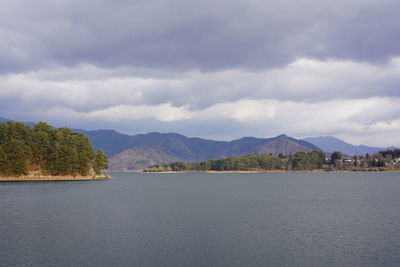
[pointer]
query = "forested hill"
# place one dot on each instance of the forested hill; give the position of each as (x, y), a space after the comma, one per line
(44, 150)
(254, 162)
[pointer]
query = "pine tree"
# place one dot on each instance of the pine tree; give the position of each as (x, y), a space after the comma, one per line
(52, 151)
(14, 158)
(100, 161)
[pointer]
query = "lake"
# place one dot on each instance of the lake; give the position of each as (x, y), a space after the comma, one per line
(144, 219)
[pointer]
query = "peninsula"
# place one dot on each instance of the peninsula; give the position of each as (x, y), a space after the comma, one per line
(44, 153)
(313, 161)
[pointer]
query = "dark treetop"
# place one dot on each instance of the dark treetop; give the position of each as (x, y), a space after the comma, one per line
(44, 150)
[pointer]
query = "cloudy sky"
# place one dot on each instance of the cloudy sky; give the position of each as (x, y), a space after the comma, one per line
(212, 68)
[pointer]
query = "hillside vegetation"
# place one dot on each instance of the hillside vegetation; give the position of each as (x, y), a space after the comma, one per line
(253, 162)
(388, 160)
(44, 150)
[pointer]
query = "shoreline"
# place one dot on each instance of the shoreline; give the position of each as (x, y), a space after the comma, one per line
(274, 171)
(49, 178)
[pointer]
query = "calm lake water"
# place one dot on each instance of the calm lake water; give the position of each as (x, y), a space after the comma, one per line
(274, 219)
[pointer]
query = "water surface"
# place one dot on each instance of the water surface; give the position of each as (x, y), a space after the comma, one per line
(266, 219)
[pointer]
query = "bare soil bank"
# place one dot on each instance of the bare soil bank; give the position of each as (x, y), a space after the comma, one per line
(32, 178)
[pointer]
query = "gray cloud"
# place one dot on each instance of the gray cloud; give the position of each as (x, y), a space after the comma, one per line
(183, 35)
(220, 69)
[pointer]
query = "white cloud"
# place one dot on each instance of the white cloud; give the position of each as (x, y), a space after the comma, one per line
(344, 118)
(306, 97)
(163, 112)
(242, 111)
(304, 80)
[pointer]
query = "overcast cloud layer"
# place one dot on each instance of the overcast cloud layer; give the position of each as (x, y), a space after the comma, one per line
(219, 69)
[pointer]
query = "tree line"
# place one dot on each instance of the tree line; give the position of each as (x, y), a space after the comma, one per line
(314, 160)
(390, 154)
(46, 150)
(298, 161)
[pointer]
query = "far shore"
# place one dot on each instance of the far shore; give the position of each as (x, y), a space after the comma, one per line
(269, 171)
(42, 178)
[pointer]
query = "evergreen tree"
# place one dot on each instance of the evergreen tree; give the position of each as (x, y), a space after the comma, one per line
(100, 161)
(307, 160)
(52, 151)
(42, 136)
(336, 157)
(14, 158)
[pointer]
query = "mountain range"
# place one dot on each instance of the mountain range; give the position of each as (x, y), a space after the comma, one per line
(135, 152)
(329, 144)
(142, 150)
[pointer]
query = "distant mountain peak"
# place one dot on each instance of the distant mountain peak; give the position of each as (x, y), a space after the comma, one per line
(330, 144)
